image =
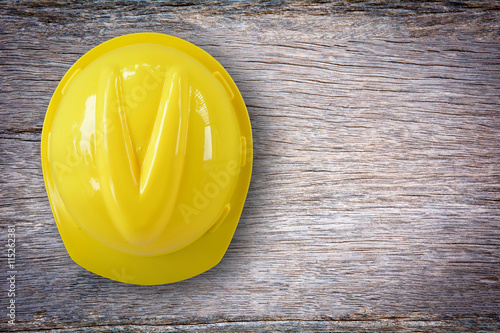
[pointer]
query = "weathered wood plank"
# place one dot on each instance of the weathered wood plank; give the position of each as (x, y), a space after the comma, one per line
(374, 203)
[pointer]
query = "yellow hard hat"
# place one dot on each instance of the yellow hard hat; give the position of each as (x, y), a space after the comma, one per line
(147, 158)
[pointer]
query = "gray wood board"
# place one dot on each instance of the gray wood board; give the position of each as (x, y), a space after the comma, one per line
(374, 202)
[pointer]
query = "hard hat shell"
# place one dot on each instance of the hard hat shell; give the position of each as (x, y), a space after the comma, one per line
(147, 157)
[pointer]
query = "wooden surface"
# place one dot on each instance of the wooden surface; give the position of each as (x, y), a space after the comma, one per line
(374, 203)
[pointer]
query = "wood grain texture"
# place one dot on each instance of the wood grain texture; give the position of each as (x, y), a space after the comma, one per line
(374, 203)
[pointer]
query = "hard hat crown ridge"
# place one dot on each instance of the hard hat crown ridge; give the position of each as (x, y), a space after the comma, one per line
(131, 196)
